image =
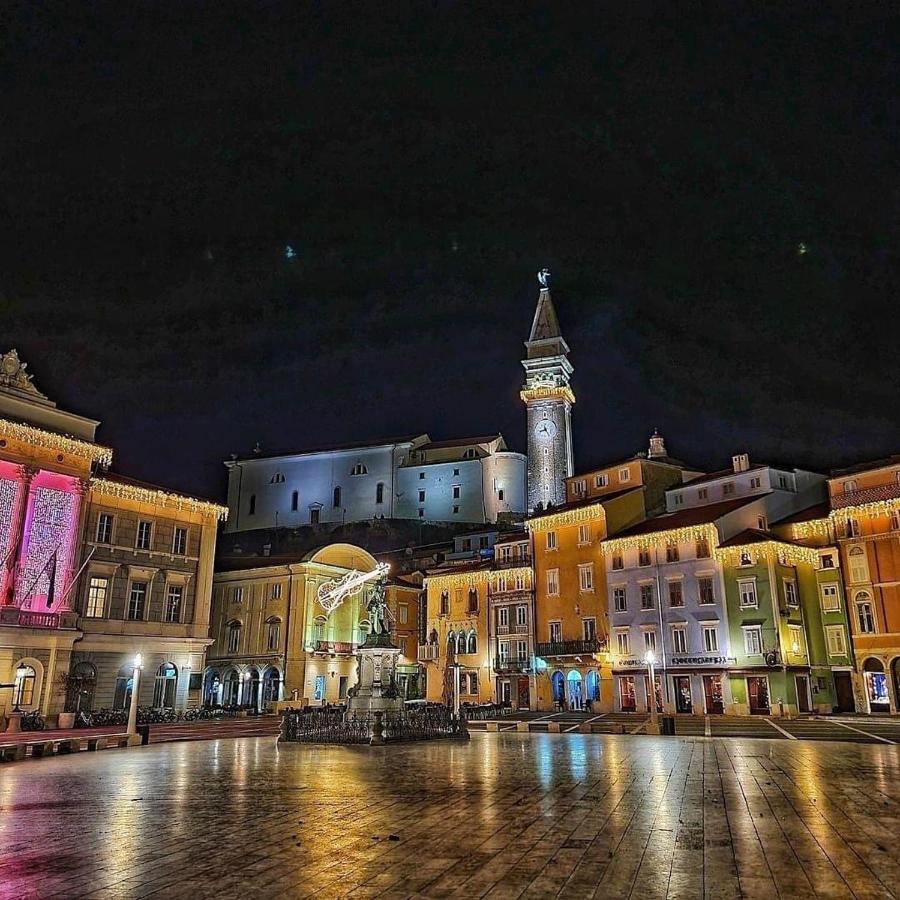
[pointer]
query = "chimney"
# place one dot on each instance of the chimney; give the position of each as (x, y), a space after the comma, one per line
(740, 462)
(657, 445)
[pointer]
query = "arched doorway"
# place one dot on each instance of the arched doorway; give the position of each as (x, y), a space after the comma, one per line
(592, 686)
(80, 687)
(231, 688)
(271, 686)
(124, 683)
(165, 686)
(211, 689)
(576, 689)
(876, 685)
(251, 690)
(25, 694)
(558, 687)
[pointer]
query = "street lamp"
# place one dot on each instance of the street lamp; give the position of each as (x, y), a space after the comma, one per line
(135, 689)
(650, 659)
(245, 677)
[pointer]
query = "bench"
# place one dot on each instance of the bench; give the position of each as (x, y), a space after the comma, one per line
(43, 747)
(102, 741)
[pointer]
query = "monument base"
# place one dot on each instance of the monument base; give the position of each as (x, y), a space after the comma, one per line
(376, 685)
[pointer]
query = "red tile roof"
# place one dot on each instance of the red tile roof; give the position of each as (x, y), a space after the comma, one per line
(698, 515)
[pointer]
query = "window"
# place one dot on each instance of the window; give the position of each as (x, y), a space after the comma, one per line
(859, 570)
(421, 513)
(276, 592)
(755, 482)
(753, 640)
(705, 590)
(746, 558)
(456, 492)
(455, 472)
(467, 544)
(421, 496)
(251, 510)
(179, 541)
(834, 638)
(620, 603)
(831, 601)
(747, 593)
(503, 617)
(234, 637)
(455, 509)
(314, 515)
(795, 640)
(650, 641)
(473, 676)
(589, 629)
(623, 643)
(503, 651)
(137, 600)
(865, 615)
(710, 638)
(472, 643)
(445, 603)
(782, 482)
(359, 469)
(295, 500)
(471, 453)
(701, 548)
(379, 492)
(277, 478)
(336, 498)
(601, 481)
(728, 489)
(790, 592)
(679, 499)
(98, 588)
(104, 528)
(852, 527)
(238, 595)
(584, 534)
(895, 520)
(502, 585)
(643, 557)
(624, 474)
(551, 540)
(521, 651)
(679, 639)
(827, 560)
(848, 487)
(421, 476)
(174, 596)
(703, 494)
(671, 552)
(500, 494)
(617, 561)
(579, 487)
(676, 594)
(586, 577)
(403, 613)
(483, 542)
(473, 600)
(24, 686)
(646, 596)
(553, 582)
(555, 632)
(521, 615)
(144, 535)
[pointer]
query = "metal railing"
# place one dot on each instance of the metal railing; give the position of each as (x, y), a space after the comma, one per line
(513, 562)
(517, 664)
(428, 651)
(570, 648)
(333, 726)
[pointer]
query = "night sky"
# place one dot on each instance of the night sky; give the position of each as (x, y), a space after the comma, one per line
(424, 161)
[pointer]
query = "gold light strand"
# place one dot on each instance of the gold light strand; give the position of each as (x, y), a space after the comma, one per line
(661, 538)
(547, 393)
(791, 554)
(37, 437)
(567, 517)
(471, 578)
(157, 497)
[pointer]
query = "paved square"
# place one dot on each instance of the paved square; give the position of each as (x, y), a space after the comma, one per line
(505, 815)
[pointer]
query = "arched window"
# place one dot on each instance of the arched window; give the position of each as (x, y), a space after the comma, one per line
(26, 678)
(451, 643)
(359, 469)
(273, 635)
(234, 636)
(271, 686)
(277, 478)
(473, 600)
(433, 637)
(461, 642)
(124, 683)
(379, 492)
(295, 501)
(251, 690)
(445, 603)
(472, 645)
(252, 510)
(336, 498)
(211, 690)
(165, 686)
(558, 685)
(232, 686)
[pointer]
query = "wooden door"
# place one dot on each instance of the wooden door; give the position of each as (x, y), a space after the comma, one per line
(802, 683)
(712, 689)
(524, 694)
(758, 692)
(843, 689)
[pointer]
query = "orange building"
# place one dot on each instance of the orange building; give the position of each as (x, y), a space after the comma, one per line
(865, 517)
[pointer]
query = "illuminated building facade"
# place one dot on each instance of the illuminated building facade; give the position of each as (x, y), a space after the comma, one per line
(274, 641)
(472, 480)
(53, 482)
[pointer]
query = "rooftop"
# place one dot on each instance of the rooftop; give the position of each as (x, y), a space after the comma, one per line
(332, 448)
(461, 442)
(585, 501)
(867, 466)
(696, 515)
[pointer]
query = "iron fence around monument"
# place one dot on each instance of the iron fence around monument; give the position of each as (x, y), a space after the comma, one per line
(333, 726)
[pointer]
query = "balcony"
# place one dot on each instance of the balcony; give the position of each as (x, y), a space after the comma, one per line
(514, 562)
(571, 648)
(339, 648)
(513, 665)
(27, 618)
(428, 652)
(867, 495)
(512, 595)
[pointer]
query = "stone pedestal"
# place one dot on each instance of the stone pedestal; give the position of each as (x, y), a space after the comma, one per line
(14, 725)
(376, 683)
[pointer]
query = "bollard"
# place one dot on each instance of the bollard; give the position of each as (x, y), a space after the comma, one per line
(377, 728)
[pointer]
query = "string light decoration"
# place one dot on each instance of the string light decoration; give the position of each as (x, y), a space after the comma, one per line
(547, 393)
(474, 577)
(9, 496)
(784, 553)
(661, 538)
(157, 497)
(564, 517)
(37, 437)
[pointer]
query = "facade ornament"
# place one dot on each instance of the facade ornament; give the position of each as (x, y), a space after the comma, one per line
(14, 377)
(543, 278)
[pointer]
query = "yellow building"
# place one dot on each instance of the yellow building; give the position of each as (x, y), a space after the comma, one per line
(274, 640)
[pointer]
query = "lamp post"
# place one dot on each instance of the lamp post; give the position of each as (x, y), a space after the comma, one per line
(135, 690)
(245, 677)
(653, 727)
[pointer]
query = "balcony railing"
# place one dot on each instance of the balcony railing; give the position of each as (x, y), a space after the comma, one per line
(511, 594)
(570, 648)
(428, 651)
(867, 495)
(514, 562)
(514, 664)
(26, 618)
(339, 647)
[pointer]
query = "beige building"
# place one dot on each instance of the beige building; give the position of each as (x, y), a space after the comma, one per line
(274, 640)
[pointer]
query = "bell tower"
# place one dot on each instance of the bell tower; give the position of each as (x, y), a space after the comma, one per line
(548, 400)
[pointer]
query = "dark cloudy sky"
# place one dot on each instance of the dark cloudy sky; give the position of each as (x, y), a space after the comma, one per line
(425, 160)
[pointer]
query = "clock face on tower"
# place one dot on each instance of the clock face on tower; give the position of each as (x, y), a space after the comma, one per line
(545, 430)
